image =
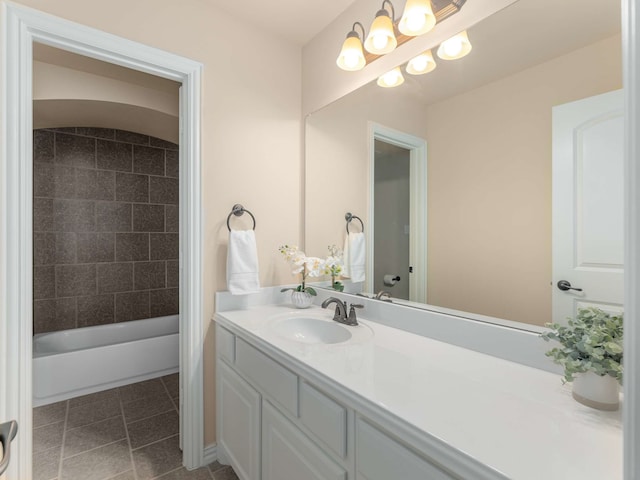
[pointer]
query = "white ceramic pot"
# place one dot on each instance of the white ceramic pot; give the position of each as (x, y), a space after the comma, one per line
(301, 299)
(595, 391)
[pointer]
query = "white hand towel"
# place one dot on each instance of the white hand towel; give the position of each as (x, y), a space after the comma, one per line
(354, 257)
(242, 263)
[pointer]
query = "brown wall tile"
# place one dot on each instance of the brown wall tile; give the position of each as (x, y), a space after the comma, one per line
(148, 275)
(132, 187)
(172, 223)
(158, 142)
(164, 246)
(114, 156)
(43, 146)
(132, 306)
(43, 180)
(163, 302)
(44, 282)
(93, 217)
(64, 182)
(132, 247)
(96, 247)
(44, 248)
(171, 163)
(75, 280)
(132, 137)
(113, 217)
(54, 314)
(148, 160)
(108, 133)
(115, 277)
(95, 184)
(95, 310)
(42, 214)
(74, 215)
(75, 150)
(65, 247)
(173, 274)
(148, 218)
(163, 190)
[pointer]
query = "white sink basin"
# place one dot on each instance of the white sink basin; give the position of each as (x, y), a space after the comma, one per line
(311, 330)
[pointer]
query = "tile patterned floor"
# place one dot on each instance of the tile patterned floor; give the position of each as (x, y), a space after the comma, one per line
(127, 433)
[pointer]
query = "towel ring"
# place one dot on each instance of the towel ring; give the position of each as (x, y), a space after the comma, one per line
(238, 210)
(348, 217)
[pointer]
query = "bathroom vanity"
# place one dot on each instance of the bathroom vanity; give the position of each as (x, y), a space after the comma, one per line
(296, 400)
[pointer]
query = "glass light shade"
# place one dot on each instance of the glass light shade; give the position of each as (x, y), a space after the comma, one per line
(391, 79)
(456, 47)
(381, 38)
(423, 63)
(351, 57)
(417, 19)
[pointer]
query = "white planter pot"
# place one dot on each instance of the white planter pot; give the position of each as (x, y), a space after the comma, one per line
(595, 391)
(301, 299)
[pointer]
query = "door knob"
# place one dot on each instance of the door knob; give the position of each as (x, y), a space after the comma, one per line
(565, 285)
(7, 434)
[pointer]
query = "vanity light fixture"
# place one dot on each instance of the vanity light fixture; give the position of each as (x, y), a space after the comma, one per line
(382, 37)
(351, 56)
(417, 19)
(456, 47)
(391, 79)
(423, 63)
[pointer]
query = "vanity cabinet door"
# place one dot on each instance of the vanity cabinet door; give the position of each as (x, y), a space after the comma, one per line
(288, 454)
(239, 420)
(380, 457)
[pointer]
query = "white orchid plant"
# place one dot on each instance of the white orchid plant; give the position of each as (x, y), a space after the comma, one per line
(333, 266)
(300, 263)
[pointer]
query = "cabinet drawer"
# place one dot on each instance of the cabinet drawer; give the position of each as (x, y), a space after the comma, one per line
(225, 344)
(288, 454)
(269, 376)
(326, 418)
(380, 457)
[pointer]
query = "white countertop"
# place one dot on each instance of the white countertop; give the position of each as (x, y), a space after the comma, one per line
(518, 420)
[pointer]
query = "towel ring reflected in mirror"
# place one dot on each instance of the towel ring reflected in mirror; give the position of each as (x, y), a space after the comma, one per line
(348, 217)
(238, 210)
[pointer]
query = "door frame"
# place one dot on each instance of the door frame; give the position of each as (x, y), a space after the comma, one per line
(631, 83)
(417, 210)
(21, 26)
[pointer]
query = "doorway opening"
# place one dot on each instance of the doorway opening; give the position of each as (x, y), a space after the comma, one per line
(397, 260)
(22, 27)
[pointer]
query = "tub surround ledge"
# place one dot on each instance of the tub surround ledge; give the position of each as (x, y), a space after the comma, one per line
(475, 415)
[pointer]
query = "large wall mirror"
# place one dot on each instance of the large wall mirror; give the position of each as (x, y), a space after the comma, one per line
(471, 174)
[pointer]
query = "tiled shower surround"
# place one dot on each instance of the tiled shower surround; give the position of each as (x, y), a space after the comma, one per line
(105, 244)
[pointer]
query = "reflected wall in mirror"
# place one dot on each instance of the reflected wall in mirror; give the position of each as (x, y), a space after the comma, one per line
(487, 120)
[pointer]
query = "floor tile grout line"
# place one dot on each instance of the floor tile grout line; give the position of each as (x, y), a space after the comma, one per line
(93, 449)
(150, 416)
(64, 437)
(155, 441)
(93, 423)
(169, 394)
(126, 431)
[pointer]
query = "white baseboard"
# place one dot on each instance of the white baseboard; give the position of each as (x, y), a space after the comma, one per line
(210, 454)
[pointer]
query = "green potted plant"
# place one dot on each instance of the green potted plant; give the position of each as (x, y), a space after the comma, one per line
(301, 295)
(590, 351)
(333, 266)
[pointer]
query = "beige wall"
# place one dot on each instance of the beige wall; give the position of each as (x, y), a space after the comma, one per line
(251, 103)
(337, 159)
(490, 164)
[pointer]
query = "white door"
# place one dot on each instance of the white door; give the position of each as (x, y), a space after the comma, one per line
(588, 226)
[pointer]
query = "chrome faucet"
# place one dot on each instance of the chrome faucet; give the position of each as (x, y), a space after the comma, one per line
(340, 314)
(383, 295)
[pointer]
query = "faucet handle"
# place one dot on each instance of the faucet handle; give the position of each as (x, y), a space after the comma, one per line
(352, 320)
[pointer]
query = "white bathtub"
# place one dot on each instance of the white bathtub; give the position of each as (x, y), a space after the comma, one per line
(76, 362)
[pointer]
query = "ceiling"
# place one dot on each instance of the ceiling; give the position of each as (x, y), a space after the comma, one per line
(296, 21)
